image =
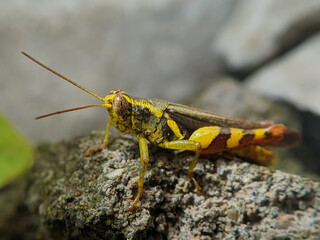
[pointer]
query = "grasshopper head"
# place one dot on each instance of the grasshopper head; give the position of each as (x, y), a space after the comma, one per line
(119, 105)
(117, 101)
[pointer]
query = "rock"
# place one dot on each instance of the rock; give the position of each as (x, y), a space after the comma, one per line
(260, 30)
(294, 77)
(16, 221)
(154, 49)
(75, 198)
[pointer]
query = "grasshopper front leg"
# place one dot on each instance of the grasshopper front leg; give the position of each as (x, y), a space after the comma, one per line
(191, 146)
(105, 141)
(144, 156)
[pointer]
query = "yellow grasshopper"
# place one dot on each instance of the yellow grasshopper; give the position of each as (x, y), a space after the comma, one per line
(175, 126)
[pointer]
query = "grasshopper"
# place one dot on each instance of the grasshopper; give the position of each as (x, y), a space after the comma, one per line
(176, 126)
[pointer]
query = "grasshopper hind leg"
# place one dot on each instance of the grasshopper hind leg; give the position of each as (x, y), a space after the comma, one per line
(190, 172)
(257, 154)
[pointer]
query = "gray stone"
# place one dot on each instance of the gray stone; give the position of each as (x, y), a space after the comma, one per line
(259, 30)
(294, 77)
(79, 201)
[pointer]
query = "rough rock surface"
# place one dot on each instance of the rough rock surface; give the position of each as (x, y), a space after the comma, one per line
(259, 30)
(88, 198)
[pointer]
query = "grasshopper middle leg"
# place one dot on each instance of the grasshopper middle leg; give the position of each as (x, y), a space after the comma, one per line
(191, 146)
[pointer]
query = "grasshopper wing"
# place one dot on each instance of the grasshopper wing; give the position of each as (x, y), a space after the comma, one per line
(193, 118)
(290, 139)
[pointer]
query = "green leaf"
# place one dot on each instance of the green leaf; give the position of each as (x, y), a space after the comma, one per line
(16, 154)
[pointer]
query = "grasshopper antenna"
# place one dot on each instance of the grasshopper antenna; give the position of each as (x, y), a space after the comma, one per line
(61, 76)
(69, 110)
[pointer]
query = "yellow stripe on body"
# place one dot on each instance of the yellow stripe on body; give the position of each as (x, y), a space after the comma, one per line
(236, 135)
(153, 110)
(205, 135)
(155, 114)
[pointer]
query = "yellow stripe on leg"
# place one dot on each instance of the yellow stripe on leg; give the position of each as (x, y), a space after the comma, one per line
(259, 133)
(174, 127)
(236, 135)
(205, 135)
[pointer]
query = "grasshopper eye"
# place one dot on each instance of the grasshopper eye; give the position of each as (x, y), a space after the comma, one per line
(120, 104)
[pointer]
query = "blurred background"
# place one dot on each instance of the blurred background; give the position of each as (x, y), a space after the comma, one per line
(251, 59)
